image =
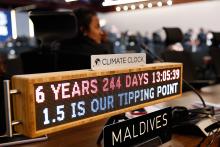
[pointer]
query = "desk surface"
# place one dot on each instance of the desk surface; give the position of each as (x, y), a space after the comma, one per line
(86, 135)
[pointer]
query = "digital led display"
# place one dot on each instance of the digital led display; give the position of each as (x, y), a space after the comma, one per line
(86, 98)
(65, 101)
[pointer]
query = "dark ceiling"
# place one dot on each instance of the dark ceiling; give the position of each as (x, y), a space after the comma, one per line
(55, 4)
(50, 4)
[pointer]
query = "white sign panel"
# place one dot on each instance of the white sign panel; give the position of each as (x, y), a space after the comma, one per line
(108, 61)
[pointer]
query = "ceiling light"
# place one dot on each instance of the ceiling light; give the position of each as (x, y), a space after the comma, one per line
(118, 9)
(125, 8)
(120, 2)
(133, 7)
(149, 5)
(169, 2)
(141, 6)
(70, 0)
(159, 4)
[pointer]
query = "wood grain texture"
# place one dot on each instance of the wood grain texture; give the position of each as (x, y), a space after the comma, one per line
(24, 104)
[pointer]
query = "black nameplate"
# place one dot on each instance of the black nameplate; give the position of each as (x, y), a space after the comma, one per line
(136, 131)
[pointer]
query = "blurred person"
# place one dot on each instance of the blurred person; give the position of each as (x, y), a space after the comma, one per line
(157, 43)
(124, 41)
(188, 41)
(202, 38)
(90, 35)
(202, 42)
(74, 53)
(140, 41)
(156, 38)
(188, 35)
(146, 38)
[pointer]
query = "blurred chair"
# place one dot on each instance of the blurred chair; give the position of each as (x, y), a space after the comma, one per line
(173, 35)
(14, 66)
(182, 57)
(71, 61)
(50, 28)
(38, 62)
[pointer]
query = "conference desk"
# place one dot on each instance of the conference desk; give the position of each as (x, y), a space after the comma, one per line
(86, 135)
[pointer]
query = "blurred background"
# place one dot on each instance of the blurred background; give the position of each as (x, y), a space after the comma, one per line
(161, 25)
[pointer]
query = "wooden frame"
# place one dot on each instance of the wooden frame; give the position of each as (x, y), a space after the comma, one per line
(24, 104)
